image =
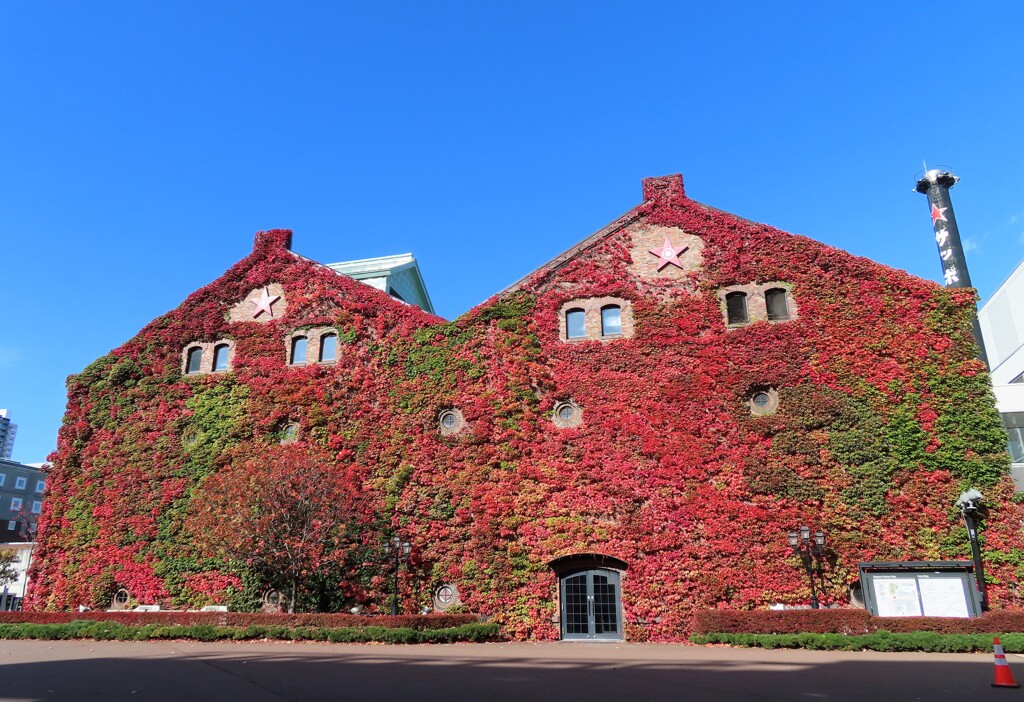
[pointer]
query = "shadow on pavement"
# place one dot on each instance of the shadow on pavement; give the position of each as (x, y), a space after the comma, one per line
(262, 672)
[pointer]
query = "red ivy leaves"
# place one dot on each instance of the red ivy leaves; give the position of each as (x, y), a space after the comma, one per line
(668, 471)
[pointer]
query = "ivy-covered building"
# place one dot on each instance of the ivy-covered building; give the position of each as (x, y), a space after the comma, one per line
(623, 437)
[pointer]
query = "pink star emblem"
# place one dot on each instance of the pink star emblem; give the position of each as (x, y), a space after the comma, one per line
(263, 303)
(668, 254)
(937, 214)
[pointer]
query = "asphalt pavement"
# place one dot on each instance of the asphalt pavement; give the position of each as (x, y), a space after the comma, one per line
(301, 672)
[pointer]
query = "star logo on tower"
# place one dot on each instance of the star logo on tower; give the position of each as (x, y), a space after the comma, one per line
(668, 254)
(938, 213)
(264, 303)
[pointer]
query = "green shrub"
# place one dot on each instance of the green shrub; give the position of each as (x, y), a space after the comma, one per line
(114, 631)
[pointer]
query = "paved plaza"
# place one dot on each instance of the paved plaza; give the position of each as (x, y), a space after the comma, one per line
(276, 671)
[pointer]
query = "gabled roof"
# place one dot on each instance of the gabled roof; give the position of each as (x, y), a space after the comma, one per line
(670, 186)
(567, 255)
(663, 190)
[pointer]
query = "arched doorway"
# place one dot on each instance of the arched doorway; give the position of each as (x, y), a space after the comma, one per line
(590, 596)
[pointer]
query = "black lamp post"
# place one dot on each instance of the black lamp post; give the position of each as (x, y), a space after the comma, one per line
(810, 549)
(969, 503)
(399, 550)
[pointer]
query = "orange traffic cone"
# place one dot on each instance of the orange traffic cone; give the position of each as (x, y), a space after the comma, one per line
(1004, 678)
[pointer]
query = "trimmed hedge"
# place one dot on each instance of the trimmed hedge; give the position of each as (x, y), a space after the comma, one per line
(847, 622)
(928, 641)
(418, 622)
(116, 631)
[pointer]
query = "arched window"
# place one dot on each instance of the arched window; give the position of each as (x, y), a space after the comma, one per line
(736, 307)
(611, 320)
(195, 360)
(328, 348)
(298, 357)
(220, 357)
(775, 301)
(575, 328)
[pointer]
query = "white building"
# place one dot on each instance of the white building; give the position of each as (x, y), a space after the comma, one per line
(21, 499)
(1002, 326)
(7, 433)
(12, 593)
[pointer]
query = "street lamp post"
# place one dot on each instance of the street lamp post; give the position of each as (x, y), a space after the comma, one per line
(969, 503)
(398, 550)
(810, 549)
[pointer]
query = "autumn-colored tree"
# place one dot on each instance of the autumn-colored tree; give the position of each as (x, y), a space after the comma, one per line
(287, 515)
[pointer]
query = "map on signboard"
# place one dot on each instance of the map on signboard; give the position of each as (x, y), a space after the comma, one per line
(897, 597)
(943, 597)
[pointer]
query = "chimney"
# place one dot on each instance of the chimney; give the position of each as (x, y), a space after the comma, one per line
(666, 188)
(936, 183)
(273, 238)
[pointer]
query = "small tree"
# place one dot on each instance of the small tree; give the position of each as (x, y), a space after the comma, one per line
(287, 514)
(28, 524)
(8, 566)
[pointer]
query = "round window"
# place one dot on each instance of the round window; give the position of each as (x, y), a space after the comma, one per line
(290, 433)
(763, 400)
(567, 414)
(190, 436)
(450, 421)
(446, 596)
(120, 600)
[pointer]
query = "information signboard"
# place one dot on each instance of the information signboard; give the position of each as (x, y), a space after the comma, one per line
(920, 588)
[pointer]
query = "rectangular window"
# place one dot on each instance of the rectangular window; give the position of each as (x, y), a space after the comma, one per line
(1014, 422)
(37, 507)
(20, 482)
(15, 504)
(40, 486)
(12, 525)
(3, 479)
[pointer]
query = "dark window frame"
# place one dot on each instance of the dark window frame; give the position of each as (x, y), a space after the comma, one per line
(320, 353)
(608, 308)
(194, 352)
(733, 315)
(226, 348)
(296, 340)
(777, 294)
(583, 319)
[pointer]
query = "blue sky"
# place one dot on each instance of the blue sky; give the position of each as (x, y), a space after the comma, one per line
(145, 143)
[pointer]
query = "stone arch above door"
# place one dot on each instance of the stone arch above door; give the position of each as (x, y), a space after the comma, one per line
(590, 596)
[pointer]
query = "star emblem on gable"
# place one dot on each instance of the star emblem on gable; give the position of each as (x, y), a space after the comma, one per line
(264, 303)
(668, 254)
(938, 214)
